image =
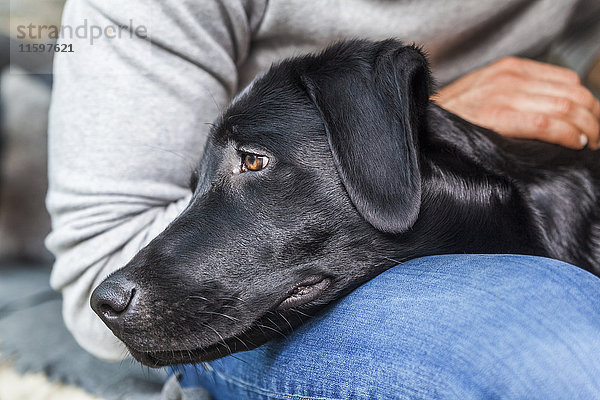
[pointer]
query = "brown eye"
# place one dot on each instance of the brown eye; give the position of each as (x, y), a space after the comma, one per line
(253, 162)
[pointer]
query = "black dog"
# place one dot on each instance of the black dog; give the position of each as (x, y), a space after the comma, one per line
(330, 169)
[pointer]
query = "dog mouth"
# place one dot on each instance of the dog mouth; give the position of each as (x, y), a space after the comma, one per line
(305, 292)
(163, 358)
(301, 293)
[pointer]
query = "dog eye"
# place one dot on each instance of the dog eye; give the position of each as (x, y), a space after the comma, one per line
(253, 162)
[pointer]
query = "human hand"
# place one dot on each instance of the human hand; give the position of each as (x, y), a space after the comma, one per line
(527, 99)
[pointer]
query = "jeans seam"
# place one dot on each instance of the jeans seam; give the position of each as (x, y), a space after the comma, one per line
(259, 390)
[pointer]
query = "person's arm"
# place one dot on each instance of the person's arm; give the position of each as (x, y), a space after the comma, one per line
(128, 121)
(522, 98)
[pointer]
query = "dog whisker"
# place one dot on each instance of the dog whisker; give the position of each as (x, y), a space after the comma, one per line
(228, 306)
(219, 335)
(278, 331)
(198, 298)
(396, 261)
(300, 312)
(273, 329)
(286, 320)
(190, 161)
(243, 343)
(220, 314)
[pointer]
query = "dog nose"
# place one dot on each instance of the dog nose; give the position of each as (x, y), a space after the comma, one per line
(112, 298)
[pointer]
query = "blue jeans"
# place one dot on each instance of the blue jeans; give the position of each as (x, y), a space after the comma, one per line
(459, 327)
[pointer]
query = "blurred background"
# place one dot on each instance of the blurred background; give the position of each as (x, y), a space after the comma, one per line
(38, 358)
(24, 100)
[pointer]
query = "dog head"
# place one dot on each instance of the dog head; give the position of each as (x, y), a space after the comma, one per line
(304, 181)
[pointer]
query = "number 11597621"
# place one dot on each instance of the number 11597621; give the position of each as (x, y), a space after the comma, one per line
(45, 48)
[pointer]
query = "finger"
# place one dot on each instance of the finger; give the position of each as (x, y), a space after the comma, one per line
(539, 70)
(559, 108)
(576, 93)
(532, 125)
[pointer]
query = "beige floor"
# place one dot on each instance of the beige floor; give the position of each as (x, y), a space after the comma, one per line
(14, 386)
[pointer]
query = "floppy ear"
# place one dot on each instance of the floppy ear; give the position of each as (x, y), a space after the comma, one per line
(372, 98)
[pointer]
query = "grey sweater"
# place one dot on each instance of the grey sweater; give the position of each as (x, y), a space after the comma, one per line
(129, 115)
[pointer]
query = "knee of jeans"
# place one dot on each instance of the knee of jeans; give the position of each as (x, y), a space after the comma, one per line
(463, 324)
(507, 321)
(491, 270)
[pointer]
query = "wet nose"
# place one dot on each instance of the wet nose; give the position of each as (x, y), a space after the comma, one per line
(112, 299)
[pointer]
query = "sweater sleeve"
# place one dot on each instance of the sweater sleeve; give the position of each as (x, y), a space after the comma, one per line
(579, 46)
(128, 120)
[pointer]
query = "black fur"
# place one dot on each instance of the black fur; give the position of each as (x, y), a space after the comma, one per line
(364, 172)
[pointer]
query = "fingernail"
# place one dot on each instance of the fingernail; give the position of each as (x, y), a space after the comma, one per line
(583, 140)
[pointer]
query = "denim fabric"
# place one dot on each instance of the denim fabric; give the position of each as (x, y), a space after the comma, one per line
(443, 327)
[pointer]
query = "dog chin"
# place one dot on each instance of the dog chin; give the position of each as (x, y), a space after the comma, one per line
(163, 358)
(277, 322)
(250, 338)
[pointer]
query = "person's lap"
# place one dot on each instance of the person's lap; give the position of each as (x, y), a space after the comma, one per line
(459, 326)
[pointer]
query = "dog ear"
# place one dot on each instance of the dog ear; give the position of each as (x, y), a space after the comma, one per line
(372, 98)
